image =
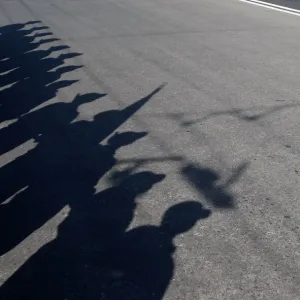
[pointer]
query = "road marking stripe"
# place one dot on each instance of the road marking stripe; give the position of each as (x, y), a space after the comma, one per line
(285, 9)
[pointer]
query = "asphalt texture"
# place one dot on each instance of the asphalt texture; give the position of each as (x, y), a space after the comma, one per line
(149, 150)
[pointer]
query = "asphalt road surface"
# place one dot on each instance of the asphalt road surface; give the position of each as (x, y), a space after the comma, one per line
(149, 150)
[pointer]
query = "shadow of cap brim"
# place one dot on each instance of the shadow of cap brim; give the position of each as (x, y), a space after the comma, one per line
(158, 177)
(58, 48)
(41, 28)
(39, 35)
(69, 55)
(44, 41)
(126, 138)
(86, 98)
(205, 213)
(67, 69)
(32, 22)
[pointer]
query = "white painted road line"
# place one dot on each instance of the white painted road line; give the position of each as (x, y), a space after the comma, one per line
(284, 9)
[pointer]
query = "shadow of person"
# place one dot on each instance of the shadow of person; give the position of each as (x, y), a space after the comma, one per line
(13, 34)
(13, 108)
(60, 178)
(31, 68)
(33, 83)
(107, 122)
(74, 260)
(20, 67)
(62, 170)
(44, 121)
(116, 205)
(140, 266)
(26, 32)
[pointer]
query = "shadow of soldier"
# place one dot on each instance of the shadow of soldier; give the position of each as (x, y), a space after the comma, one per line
(27, 76)
(140, 265)
(93, 256)
(71, 266)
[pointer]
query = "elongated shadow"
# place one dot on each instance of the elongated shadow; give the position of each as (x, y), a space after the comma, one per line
(248, 115)
(205, 181)
(94, 255)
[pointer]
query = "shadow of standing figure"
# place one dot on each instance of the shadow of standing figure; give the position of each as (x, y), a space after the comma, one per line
(62, 183)
(71, 267)
(50, 119)
(61, 170)
(11, 35)
(41, 86)
(141, 266)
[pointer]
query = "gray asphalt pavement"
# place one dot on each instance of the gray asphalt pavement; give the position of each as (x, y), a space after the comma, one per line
(149, 150)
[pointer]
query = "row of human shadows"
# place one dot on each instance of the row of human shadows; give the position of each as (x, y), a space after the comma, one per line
(94, 255)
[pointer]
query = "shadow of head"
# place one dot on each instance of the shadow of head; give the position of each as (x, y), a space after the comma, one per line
(38, 28)
(65, 56)
(33, 22)
(142, 182)
(11, 27)
(54, 48)
(182, 217)
(86, 98)
(125, 138)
